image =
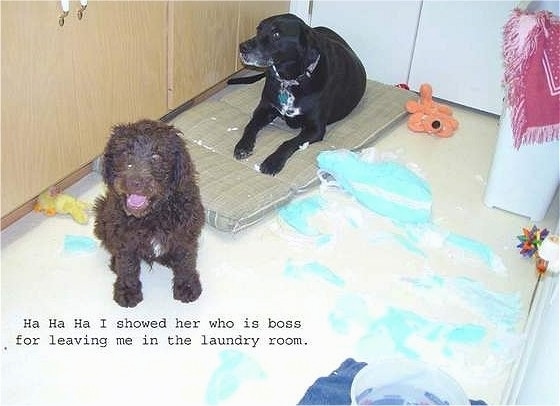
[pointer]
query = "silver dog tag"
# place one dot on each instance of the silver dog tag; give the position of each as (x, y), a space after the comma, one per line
(286, 100)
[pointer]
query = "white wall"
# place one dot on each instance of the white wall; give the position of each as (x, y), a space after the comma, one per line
(382, 33)
(453, 45)
(539, 385)
(458, 50)
(301, 9)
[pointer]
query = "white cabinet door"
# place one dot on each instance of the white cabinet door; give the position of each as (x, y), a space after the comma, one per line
(382, 33)
(459, 51)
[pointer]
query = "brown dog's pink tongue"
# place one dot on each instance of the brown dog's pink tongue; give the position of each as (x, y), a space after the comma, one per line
(135, 201)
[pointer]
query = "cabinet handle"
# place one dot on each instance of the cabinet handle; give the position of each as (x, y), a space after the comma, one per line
(65, 5)
(82, 10)
(62, 17)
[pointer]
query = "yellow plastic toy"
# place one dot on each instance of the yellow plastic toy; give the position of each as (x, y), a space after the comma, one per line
(51, 202)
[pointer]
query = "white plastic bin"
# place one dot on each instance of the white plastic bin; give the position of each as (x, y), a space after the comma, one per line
(522, 181)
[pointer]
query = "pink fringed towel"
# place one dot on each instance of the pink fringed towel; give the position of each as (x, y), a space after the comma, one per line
(532, 75)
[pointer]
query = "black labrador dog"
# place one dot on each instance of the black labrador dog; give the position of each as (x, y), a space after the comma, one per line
(313, 78)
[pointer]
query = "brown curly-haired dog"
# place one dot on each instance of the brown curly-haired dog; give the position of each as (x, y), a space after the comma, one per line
(152, 209)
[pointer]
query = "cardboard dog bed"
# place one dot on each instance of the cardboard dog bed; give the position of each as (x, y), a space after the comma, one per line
(235, 195)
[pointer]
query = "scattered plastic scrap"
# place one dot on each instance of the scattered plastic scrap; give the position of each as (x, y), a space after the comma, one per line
(390, 190)
(234, 369)
(386, 187)
(504, 309)
(501, 308)
(313, 268)
(397, 328)
(79, 244)
(305, 145)
(351, 309)
(426, 235)
(430, 236)
(297, 215)
(202, 144)
(480, 250)
(403, 324)
(468, 334)
(409, 244)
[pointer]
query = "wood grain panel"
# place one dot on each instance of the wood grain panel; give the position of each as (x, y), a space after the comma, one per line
(63, 87)
(123, 51)
(37, 102)
(203, 46)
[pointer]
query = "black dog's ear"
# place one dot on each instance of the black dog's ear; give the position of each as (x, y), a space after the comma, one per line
(308, 43)
(311, 57)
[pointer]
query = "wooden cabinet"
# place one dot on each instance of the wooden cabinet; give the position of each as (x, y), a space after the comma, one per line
(63, 87)
(204, 40)
(203, 46)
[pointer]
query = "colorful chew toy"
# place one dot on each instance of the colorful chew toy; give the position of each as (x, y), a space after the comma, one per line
(430, 117)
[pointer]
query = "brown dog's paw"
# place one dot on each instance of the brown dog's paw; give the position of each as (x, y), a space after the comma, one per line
(187, 290)
(127, 296)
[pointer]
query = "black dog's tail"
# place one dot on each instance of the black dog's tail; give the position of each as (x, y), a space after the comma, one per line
(245, 80)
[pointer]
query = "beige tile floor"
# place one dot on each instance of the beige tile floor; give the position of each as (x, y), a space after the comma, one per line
(51, 292)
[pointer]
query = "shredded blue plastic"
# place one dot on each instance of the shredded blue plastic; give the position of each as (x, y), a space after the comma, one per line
(79, 244)
(313, 268)
(234, 369)
(297, 214)
(392, 331)
(482, 251)
(387, 188)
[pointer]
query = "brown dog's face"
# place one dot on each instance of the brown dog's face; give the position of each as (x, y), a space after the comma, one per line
(144, 163)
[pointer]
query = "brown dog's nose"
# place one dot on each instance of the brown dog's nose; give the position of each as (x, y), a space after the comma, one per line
(134, 183)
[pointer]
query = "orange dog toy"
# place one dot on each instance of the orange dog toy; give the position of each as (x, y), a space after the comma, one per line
(430, 117)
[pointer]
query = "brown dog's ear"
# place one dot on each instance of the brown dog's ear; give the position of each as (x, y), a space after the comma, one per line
(182, 169)
(107, 169)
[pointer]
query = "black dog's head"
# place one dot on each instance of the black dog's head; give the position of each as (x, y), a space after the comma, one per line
(284, 41)
(144, 163)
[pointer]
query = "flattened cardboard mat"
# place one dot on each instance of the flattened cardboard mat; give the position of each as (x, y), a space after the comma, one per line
(234, 194)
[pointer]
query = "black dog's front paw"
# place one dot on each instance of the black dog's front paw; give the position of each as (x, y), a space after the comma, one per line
(243, 149)
(187, 290)
(127, 295)
(272, 165)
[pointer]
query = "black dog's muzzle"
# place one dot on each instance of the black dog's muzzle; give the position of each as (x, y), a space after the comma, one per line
(251, 55)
